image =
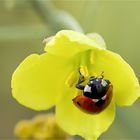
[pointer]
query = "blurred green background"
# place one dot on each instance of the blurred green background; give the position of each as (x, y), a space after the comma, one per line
(25, 23)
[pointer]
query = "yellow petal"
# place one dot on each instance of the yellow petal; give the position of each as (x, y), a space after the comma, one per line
(38, 81)
(68, 43)
(126, 87)
(76, 122)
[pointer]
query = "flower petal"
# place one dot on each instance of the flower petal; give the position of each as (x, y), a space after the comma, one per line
(77, 122)
(39, 80)
(126, 87)
(68, 43)
(98, 39)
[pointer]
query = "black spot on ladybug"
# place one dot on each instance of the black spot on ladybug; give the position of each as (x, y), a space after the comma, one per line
(78, 104)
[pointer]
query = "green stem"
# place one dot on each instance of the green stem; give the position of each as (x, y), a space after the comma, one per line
(56, 19)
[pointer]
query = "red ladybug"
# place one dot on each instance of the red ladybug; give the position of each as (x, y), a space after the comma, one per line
(97, 94)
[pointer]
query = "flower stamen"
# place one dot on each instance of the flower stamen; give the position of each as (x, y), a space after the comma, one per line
(84, 71)
(92, 57)
(71, 79)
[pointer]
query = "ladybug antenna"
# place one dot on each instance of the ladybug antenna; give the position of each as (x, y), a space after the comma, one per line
(79, 71)
(91, 78)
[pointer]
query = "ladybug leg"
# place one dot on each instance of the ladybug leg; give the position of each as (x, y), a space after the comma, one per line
(91, 78)
(81, 80)
(79, 85)
(102, 74)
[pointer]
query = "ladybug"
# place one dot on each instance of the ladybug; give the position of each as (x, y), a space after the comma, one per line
(97, 94)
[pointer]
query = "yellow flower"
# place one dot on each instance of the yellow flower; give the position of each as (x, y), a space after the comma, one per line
(42, 81)
(23, 129)
(41, 127)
